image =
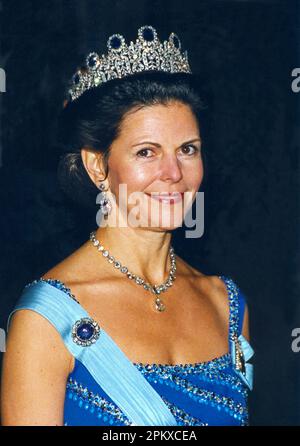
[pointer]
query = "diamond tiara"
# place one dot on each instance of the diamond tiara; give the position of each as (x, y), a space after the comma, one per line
(146, 54)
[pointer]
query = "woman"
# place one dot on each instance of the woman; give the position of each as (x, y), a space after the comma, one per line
(104, 344)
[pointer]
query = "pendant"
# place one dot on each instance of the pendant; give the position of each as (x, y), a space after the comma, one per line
(159, 306)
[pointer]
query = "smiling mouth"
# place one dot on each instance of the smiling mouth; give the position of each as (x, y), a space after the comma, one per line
(167, 198)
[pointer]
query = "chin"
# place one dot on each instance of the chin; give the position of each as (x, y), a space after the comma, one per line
(160, 228)
(162, 218)
(164, 223)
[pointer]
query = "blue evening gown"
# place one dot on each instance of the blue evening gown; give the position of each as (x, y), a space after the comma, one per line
(106, 389)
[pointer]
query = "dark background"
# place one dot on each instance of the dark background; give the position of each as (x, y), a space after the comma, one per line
(243, 52)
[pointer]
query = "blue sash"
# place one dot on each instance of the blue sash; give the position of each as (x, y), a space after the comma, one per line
(105, 361)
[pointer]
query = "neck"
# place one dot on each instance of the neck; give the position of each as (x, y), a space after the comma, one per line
(144, 252)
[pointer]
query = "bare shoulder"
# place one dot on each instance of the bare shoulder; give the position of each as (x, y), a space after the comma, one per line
(66, 270)
(32, 334)
(71, 272)
(217, 292)
(75, 268)
(36, 362)
(33, 338)
(211, 286)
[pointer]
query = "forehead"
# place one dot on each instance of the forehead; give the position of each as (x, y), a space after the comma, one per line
(175, 118)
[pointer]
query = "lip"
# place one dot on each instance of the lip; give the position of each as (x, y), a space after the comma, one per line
(167, 198)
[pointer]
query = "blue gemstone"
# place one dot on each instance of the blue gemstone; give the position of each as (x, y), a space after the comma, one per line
(76, 79)
(148, 34)
(115, 42)
(176, 41)
(85, 331)
(92, 61)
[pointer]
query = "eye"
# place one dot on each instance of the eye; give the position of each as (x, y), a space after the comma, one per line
(196, 149)
(143, 151)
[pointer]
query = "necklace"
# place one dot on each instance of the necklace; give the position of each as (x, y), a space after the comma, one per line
(155, 289)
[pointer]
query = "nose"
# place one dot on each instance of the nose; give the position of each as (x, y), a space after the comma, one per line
(170, 168)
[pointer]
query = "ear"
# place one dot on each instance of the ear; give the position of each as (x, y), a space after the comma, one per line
(93, 164)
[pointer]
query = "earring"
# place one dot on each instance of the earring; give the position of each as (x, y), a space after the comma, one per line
(105, 203)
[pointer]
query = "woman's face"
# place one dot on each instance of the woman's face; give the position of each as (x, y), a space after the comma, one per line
(157, 151)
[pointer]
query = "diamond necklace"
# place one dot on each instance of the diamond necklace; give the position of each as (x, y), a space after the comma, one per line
(155, 289)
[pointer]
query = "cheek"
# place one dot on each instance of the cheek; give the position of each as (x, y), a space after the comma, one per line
(193, 174)
(136, 178)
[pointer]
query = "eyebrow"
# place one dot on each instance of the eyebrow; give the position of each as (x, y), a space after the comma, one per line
(158, 145)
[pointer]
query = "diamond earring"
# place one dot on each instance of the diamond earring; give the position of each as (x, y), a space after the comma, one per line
(105, 203)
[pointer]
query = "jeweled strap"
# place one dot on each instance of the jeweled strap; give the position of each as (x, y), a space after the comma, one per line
(240, 349)
(105, 361)
(241, 311)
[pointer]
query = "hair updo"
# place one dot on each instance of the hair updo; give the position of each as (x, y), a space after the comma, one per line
(94, 120)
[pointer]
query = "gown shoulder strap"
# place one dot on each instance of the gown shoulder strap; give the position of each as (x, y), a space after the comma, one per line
(241, 311)
(97, 351)
(237, 304)
(240, 349)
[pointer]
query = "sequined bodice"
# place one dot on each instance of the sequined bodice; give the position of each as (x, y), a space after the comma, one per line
(214, 392)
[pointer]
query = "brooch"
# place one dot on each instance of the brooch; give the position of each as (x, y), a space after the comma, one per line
(85, 332)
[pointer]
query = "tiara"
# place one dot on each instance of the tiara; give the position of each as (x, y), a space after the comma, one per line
(146, 54)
